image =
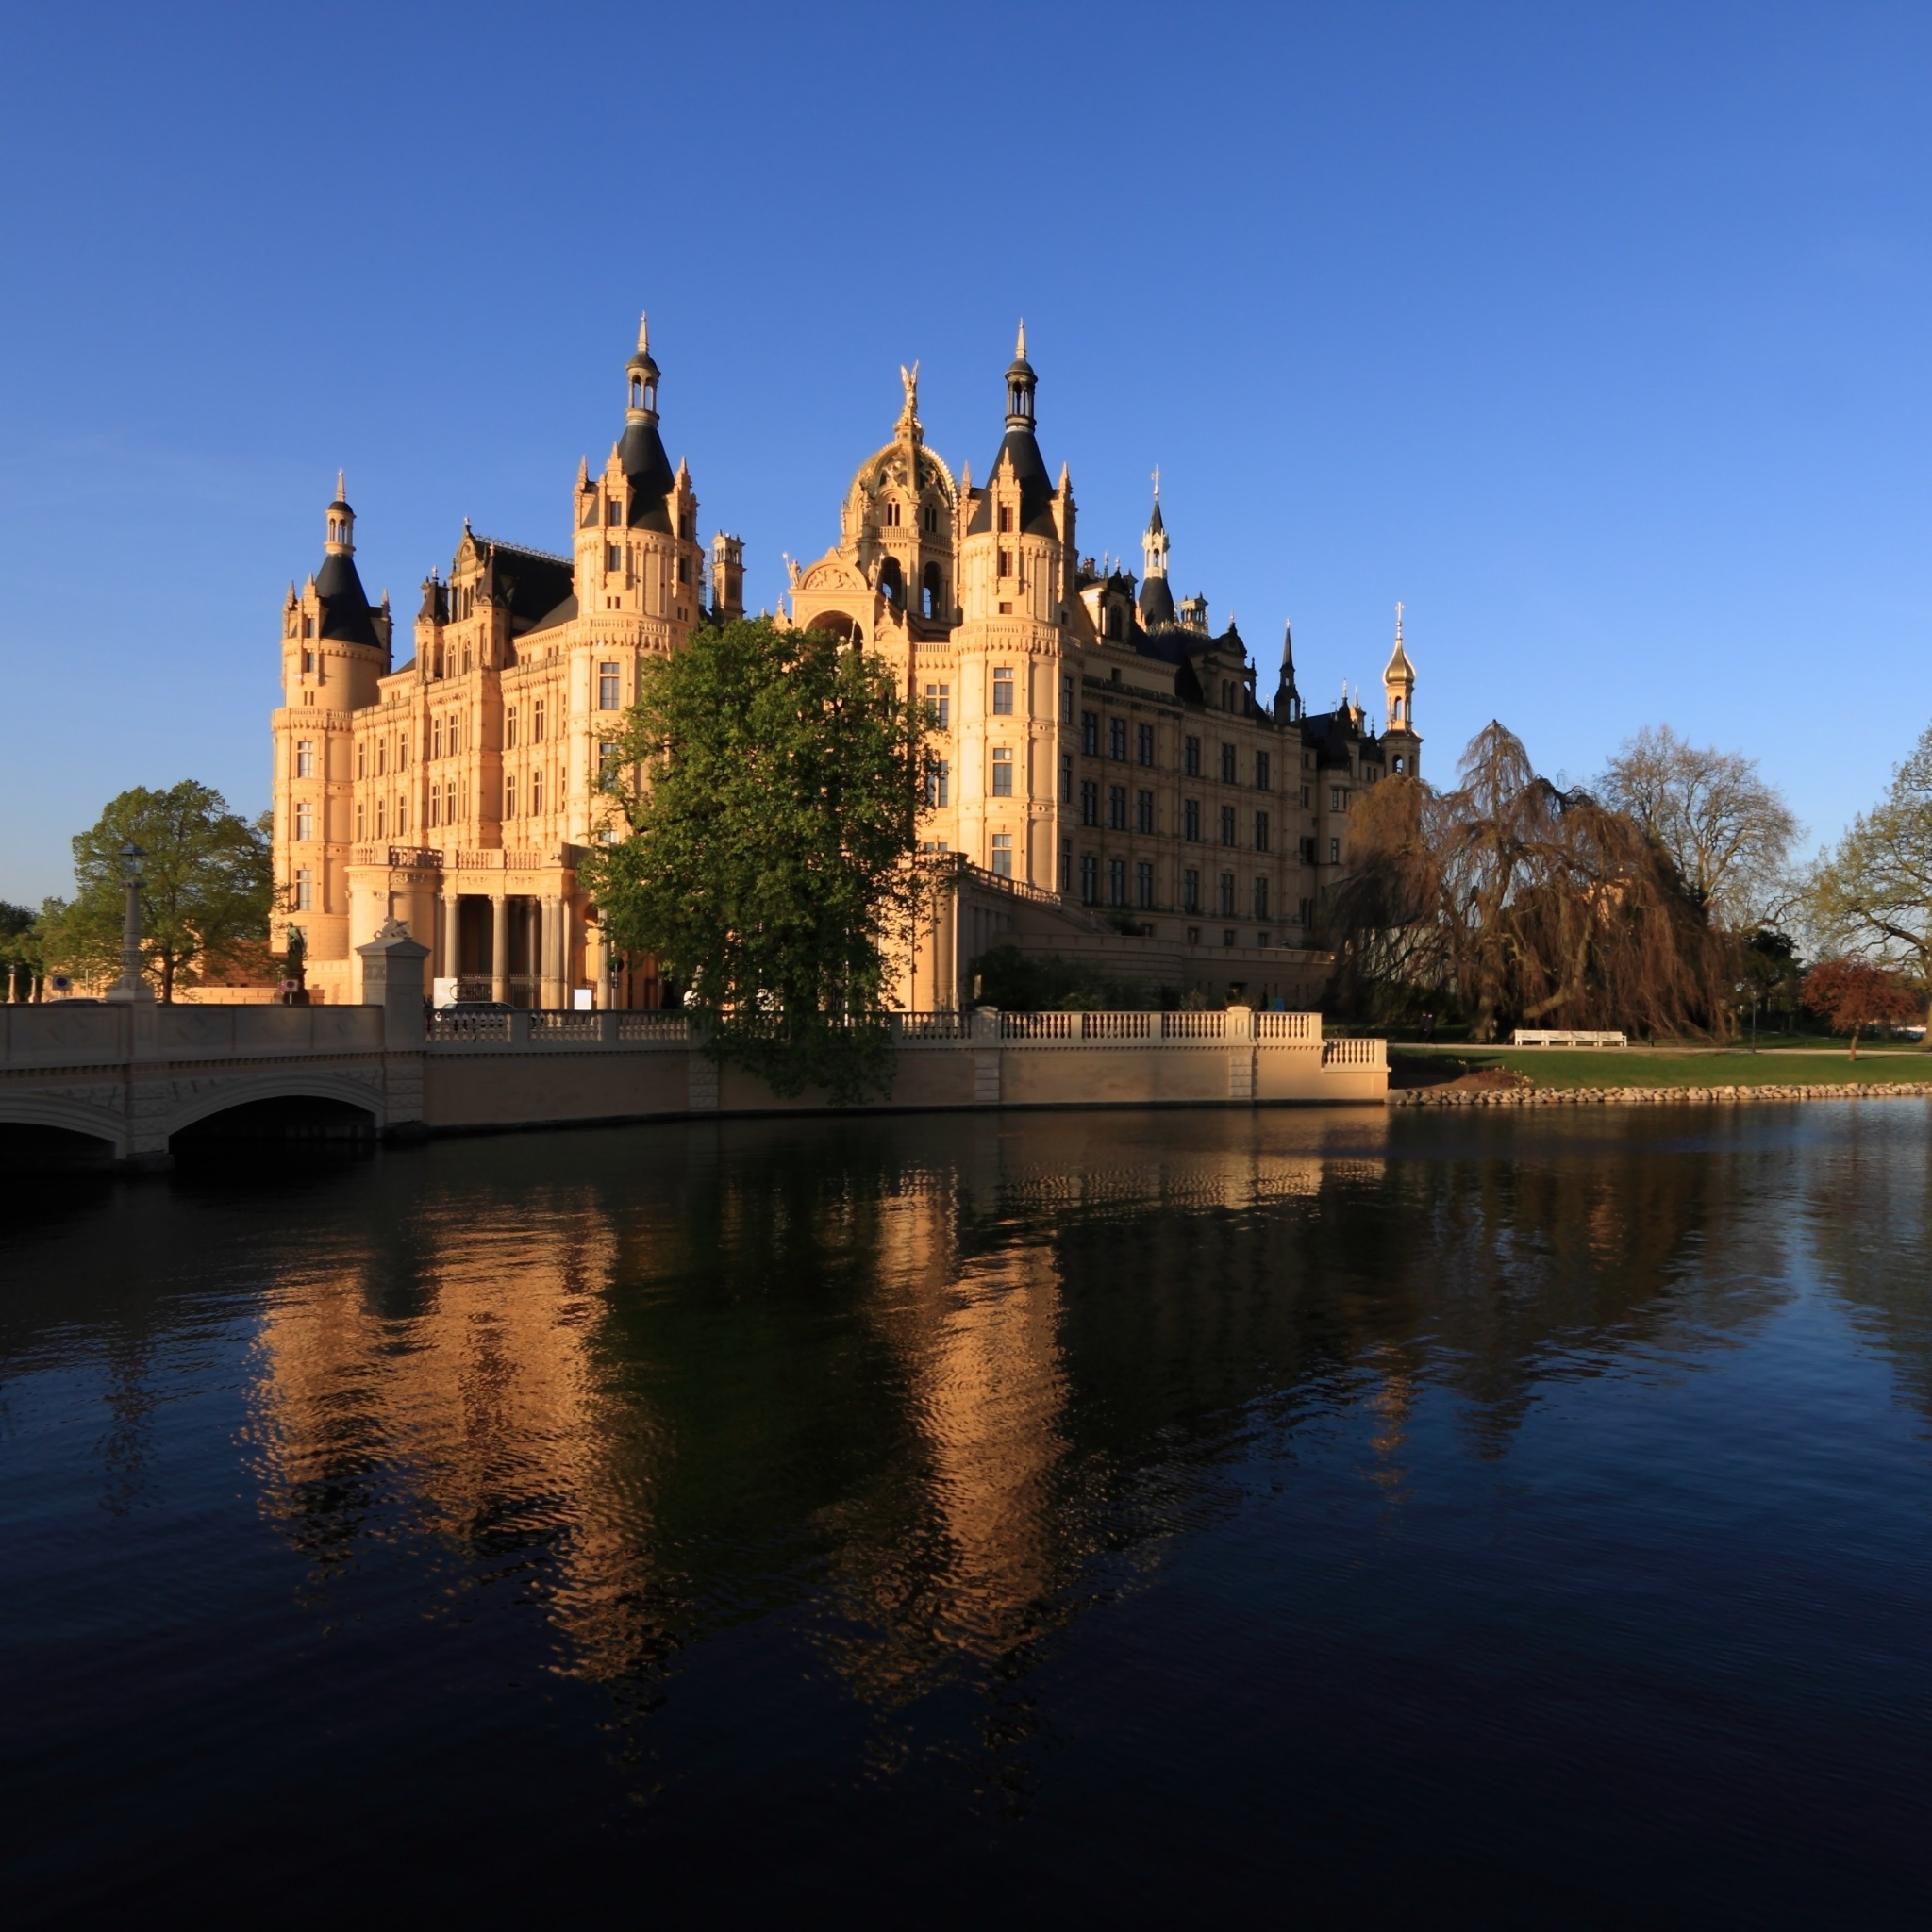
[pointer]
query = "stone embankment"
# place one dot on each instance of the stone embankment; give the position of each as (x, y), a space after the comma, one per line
(1652, 1096)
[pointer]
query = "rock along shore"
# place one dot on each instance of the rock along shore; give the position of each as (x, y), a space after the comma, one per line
(1650, 1096)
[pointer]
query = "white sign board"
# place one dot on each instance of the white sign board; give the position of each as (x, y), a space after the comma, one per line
(442, 992)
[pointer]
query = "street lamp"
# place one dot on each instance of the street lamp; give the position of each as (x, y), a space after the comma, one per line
(131, 985)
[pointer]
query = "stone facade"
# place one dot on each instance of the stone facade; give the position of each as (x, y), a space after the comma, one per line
(1102, 749)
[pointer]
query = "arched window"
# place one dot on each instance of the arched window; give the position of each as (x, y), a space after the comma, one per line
(888, 517)
(892, 580)
(1396, 712)
(932, 592)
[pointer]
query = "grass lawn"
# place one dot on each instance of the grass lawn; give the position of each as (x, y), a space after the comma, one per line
(1644, 1066)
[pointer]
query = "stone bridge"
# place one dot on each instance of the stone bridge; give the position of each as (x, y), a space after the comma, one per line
(133, 1079)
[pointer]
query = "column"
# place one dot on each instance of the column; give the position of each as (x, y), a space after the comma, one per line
(499, 948)
(556, 954)
(452, 936)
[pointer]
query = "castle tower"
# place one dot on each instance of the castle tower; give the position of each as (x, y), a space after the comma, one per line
(728, 578)
(335, 648)
(1156, 599)
(1288, 698)
(1398, 691)
(637, 553)
(1018, 589)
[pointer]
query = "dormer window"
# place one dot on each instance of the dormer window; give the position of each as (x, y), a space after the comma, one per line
(1006, 521)
(612, 514)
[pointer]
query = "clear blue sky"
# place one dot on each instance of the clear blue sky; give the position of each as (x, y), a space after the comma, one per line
(1598, 335)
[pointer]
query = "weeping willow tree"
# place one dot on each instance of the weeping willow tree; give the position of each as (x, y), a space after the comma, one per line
(1518, 903)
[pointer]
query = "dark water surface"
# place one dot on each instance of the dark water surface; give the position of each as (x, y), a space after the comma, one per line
(1339, 1519)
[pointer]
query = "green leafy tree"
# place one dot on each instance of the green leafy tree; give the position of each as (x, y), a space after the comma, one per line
(20, 951)
(1872, 897)
(769, 783)
(207, 888)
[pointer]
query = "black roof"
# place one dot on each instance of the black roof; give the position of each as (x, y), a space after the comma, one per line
(1157, 600)
(640, 453)
(1036, 486)
(533, 583)
(346, 613)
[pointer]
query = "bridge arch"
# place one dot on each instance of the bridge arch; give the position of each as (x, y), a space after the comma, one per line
(66, 1114)
(261, 1093)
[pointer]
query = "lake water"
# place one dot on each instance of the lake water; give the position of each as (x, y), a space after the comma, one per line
(1342, 1518)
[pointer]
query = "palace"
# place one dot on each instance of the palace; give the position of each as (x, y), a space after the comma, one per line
(1109, 779)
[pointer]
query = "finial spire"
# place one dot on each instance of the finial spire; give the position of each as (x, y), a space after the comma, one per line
(341, 490)
(1156, 485)
(1020, 348)
(1398, 622)
(645, 331)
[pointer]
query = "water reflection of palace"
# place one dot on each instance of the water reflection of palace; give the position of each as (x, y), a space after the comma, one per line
(920, 1375)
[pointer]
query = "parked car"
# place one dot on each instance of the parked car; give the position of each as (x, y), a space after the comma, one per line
(477, 1006)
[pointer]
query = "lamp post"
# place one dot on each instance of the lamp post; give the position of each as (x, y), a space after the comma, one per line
(131, 985)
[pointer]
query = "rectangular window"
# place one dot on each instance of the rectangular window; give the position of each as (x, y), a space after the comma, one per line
(1261, 898)
(1308, 912)
(1116, 881)
(436, 804)
(606, 686)
(1089, 879)
(1227, 825)
(537, 722)
(1066, 701)
(1227, 764)
(684, 566)
(1143, 813)
(1227, 896)
(509, 796)
(1005, 521)
(1089, 733)
(1002, 771)
(1334, 852)
(1144, 886)
(537, 795)
(613, 557)
(308, 663)
(1190, 756)
(607, 761)
(510, 730)
(1003, 854)
(361, 822)
(1307, 852)
(1261, 831)
(1191, 890)
(939, 696)
(305, 760)
(1066, 865)
(361, 761)
(1305, 806)
(1066, 777)
(403, 752)
(1006, 559)
(1117, 738)
(1003, 691)
(1191, 820)
(1117, 807)
(305, 820)
(382, 818)
(381, 758)
(449, 803)
(939, 783)
(1262, 769)
(1090, 802)
(1335, 798)
(436, 738)
(305, 890)
(402, 817)
(1144, 744)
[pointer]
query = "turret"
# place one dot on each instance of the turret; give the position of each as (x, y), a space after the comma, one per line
(1287, 699)
(1398, 690)
(728, 578)
(1157, 600)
